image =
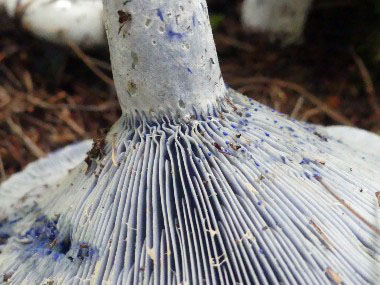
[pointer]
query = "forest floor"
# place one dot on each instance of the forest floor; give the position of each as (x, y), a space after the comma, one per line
(52, 96)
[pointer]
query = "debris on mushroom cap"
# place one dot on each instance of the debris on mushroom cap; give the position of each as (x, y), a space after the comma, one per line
(221, 191)
(61, 21)
(281, 19)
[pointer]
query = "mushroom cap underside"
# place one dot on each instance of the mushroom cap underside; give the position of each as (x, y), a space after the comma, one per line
(239, 195)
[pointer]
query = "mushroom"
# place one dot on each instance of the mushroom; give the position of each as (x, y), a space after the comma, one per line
(196, 183)
(281, 19)
(60, 21)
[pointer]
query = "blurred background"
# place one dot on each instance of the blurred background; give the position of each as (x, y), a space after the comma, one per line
(51, 96)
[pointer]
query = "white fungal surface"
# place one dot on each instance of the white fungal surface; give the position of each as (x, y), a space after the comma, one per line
(240, 195)
(282, 19)
(223, 191)
(60, 21)
(362, 140)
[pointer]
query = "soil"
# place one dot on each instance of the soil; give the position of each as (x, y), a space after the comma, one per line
(49, 97)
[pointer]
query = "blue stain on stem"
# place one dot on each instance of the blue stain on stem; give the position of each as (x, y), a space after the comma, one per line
(160, 14)
(194, 20)
(174, 35)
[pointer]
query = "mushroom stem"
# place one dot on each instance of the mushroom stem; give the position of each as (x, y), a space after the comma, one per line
(163, 56)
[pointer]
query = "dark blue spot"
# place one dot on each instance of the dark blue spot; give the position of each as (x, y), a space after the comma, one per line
(225, 133)
(317, 176)
(267, 134)
(283, 159)
(4, 235)
(290, 129)
(56, 256)
(189, 70)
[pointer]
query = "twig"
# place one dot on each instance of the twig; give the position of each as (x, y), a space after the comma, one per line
(10, 76)
(3, 176)
(235, 43)
(297, 107)
(86, 108)
(113, 150)
(90, 64)
(40, 123)
(5, 99)
(301, 91)
(310, 113)
(369, 86)
(10, 50)
(348, 207)
(65, 116)
(28, 81)
(278, 97)
(16, 129)
(102, 64)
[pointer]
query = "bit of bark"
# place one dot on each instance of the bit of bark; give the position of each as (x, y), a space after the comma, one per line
(324, 237)
(333, 275)
(235, 147)
(320, 136)
(378, 197)
(97, 150)
(124, 18)
(7, 277)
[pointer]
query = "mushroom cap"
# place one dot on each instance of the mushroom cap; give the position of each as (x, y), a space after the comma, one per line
(239, 194)
(359, 139)
(282, 19)
(60, 21)
(19, 192)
